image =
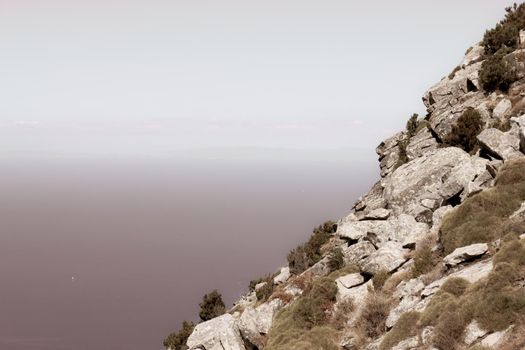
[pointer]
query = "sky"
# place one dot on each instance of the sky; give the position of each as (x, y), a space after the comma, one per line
(157, 77)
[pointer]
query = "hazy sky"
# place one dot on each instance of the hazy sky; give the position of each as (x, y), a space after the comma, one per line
(151, 77)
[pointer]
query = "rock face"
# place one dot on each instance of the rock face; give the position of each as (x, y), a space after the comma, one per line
(254, 323)
(501, 145)
(424, 184)
(221, 333)
(473, 332)
(387, 258)
(465, 254)
(283, 275)
(420, 144)
(349, 281)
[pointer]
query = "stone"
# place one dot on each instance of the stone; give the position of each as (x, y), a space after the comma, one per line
(377, 214)
(493, 340)
(260, 285)
(427, 334)
(388, 257)
(349, 342)
(358, 294)
(467, 253)
(407, 304)
(522, 38)
(247, 300)
(502, 145)
(350, 280)
(420, 144)
(472, 273)
(320, 268)
(437, 217)
(473, 332)
(356, 253)
(440, 175)
(501, 109)
(220, 333)
(371, 200)
(283, 276)
(408, 288)
(388, 152)
(519, 214)
(254, 323)
(474, 54)
(407, 344)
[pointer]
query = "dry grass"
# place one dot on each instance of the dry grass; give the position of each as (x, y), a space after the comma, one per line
(424, 259)
(380, 278)
(342, 314)
(482, 218)
(371, 320)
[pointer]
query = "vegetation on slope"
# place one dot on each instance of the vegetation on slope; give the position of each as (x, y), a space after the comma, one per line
(464, 132)
(484, 217)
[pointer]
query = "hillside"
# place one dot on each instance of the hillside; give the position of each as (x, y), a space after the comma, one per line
(433, 255)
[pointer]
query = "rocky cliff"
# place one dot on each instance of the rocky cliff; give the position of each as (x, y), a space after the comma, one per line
(433, 255)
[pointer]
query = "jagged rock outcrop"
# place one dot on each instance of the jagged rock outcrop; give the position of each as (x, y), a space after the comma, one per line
(220, 333)
(255, 323)
(426, 183)
(467, 253)
(502, 145)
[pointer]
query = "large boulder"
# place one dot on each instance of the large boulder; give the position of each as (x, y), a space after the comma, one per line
(502, 145)
(403, 229)
(502, 108)
(220, 333)
(283, 276)
(255, 323)
(370, 201)
(388, 152)
(426, 183)
(473, 332)
(358, 252)
(467, 253)
(350, 280)
(358, 294)
(420, 144)
(388, 257)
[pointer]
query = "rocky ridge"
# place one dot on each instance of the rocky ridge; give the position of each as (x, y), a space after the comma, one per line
(400, 216)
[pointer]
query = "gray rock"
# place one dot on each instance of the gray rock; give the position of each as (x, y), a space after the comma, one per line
(377, 214)
(473, 332)
(372, 200)
(427, 334)
(320, 268)
(406, 304)
(503, 145)
(420, 144)
(357, 294)
(388, 257)
(260, 285)
(494, 340)
(254, 323)
(467, 253)
(220, 333)
(349, 342)
(502, 108)
(437, 217)
(409, 288)
(388, 152)
(247, 300)
(350, 280)
(356, 253)
(283, 275)
(519, 214)
(407, 344)
(473, 55)
(440, 175)
(472, 273)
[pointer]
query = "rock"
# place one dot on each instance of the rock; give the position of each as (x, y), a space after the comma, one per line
(427, 334)
(388, 152)
(420, 144)
(388, 257)
(501, 109)
(372, 200)
(439, 176)
(473, 332)
(472, 273)
(283, 275)
(350, 280)
(356, 253)
(474, 54)
(357, 294)
(293, 290)
(522, 139)
(220, 333)
(403, 229)
(349, 342)
(377, 214)
(522, 38)
(493, 167)
(256, 322)
(437, 217)
(260, 285)
(519, 214)
(407, 344)
(247, 300)
(409, 288)
(320, 268)
(493, 340)
(374, 345)
(502, 145)
(460, 255)
(407, 304)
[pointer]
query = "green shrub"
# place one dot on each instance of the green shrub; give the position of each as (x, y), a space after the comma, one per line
(265, 291)
(309, 253)
(336, 260)
(505, 34)
(464, 132)
(484, 217)
(497, 73)
(211, 306)
(177, 340)
(412, 125)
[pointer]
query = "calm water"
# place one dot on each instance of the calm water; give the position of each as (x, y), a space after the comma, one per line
(115, 254)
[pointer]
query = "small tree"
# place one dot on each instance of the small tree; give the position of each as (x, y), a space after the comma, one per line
(212, 306)
(336, 260)
(464, 133)
(497, 72)
(177, 340)
(412, 125)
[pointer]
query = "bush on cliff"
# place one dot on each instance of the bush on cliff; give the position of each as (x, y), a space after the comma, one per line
(497, 73)
(211, 306)
(309, 253)
(177, 340)
(505, 34)
(464, 132)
